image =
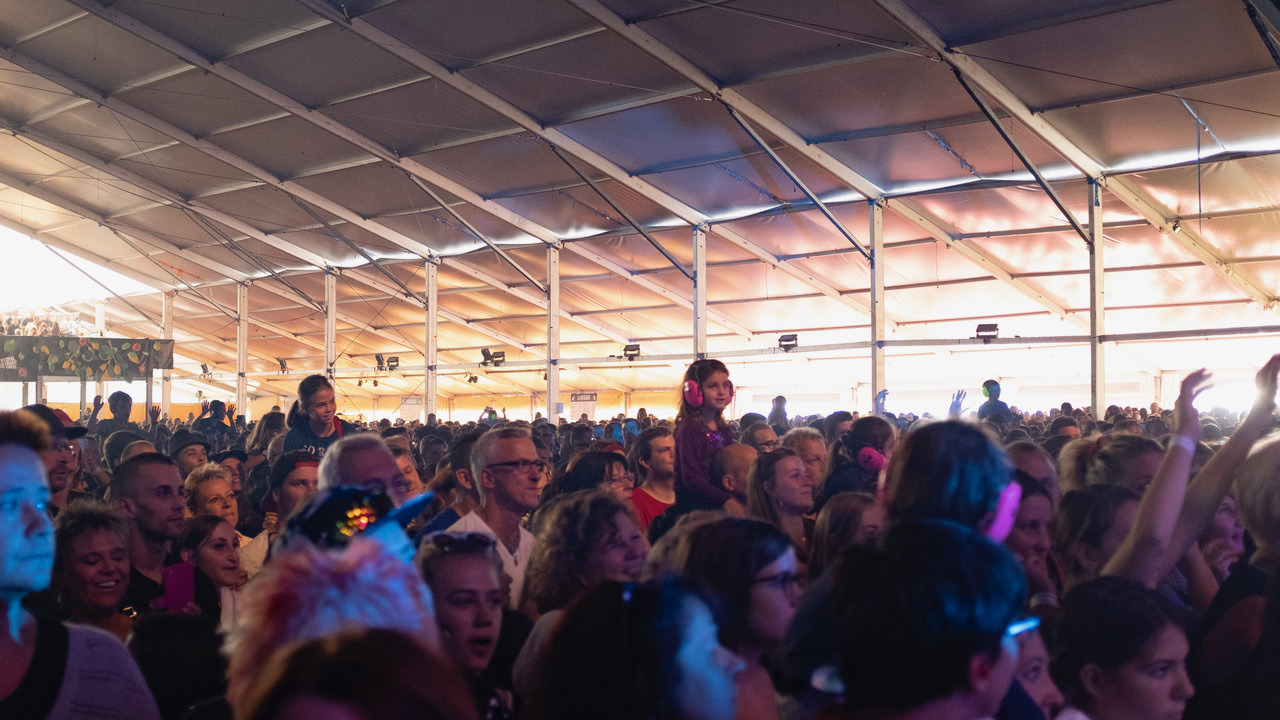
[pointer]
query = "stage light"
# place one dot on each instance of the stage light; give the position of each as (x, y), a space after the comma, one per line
(788, 342)
(499, 358)
(284, 366)
(382, 365)
(631, 352)
(393, 362)
(488, 356)
(987, 332)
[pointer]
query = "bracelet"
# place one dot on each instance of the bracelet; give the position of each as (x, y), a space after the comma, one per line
(1183, 442)
(1044, 598)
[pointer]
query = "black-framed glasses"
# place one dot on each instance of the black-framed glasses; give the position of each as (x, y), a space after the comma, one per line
(523, 466)
(461, 541)
(766, 446)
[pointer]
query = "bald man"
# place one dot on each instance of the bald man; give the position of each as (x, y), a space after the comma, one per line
(731, 466)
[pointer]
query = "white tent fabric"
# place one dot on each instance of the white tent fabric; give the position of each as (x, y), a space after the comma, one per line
(194, 145)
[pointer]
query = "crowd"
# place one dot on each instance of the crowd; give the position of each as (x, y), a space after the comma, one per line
(39, 324)
(999, 564)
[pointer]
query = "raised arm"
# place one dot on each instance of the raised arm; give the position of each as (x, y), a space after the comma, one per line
(1214, 481)
(1142, 555)
(92, 425)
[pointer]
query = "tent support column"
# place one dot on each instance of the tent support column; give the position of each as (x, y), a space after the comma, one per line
(84, 396)
(99, 329)
(166, 333)
(700, 291)
(877, 300)
(553, 332)
(242, 349)
(429, 378)
(1097, 305)
(330, 320)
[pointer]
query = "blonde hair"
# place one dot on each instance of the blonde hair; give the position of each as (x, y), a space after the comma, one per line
(201, 475)
(1258, 496)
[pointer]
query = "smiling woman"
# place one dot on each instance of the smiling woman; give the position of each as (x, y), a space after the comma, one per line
(91, 566)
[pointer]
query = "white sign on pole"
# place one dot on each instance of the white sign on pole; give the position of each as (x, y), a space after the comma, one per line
(582, 403)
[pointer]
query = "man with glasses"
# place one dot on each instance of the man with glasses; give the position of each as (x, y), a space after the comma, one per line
(506, 469)
(761, 437)
(62, 460)
(148, 491)
(363, 460)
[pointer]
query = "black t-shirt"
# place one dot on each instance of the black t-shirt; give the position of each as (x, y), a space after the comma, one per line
(36, 694)
(142, 591)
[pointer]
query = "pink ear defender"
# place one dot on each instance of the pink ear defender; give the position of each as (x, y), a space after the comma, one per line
(1006, 512)
(870, 460)
(693, 393)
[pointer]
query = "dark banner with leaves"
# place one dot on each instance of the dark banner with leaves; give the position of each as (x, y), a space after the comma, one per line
(99, 359)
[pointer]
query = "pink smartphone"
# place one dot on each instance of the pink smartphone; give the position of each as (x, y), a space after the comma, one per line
(179, 586)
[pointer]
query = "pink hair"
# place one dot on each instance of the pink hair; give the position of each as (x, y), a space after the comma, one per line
(306, 593)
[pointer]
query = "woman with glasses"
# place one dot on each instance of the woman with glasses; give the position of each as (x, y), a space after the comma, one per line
(637, 652)
(465, 576)
(594, 470)
(751, 568)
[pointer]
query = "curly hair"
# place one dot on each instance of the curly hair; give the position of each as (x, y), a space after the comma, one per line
(567, 530)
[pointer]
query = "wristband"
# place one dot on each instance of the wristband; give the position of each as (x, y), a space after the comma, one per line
(1183, 442)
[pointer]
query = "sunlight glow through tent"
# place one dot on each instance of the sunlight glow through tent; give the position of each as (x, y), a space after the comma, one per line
(33, 277)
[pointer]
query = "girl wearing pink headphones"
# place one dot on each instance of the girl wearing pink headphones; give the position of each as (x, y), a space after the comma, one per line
(701, 430)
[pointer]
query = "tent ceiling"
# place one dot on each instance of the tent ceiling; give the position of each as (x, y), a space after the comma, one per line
(193, 144)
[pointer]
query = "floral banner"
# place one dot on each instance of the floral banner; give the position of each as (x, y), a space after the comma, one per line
(25, 358)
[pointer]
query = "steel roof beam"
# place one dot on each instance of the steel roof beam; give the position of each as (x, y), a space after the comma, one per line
(1134, 197)
(512, 341)
(469, 88)
(292, 106)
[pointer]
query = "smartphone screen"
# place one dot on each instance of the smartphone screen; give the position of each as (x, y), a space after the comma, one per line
(179, 586)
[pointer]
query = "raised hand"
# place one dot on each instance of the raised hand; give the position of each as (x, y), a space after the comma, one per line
(1266, 381)
(1184, 412)
(957, 404)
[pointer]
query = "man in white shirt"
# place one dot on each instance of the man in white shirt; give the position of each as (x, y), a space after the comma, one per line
(506, 466)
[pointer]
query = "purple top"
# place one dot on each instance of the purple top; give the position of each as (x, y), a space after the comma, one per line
(695, 445)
